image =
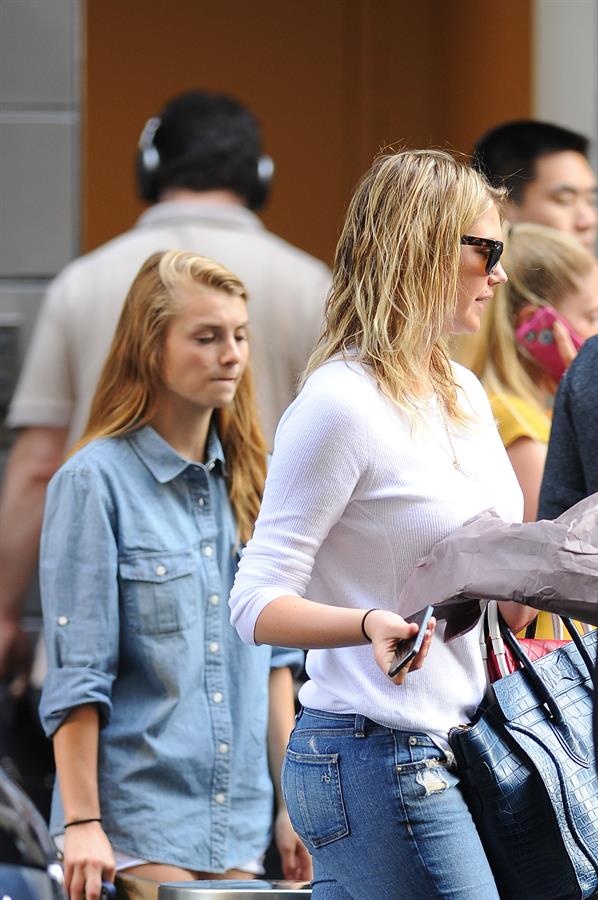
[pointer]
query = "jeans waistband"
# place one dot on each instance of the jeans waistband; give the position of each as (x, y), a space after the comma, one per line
(360, 725)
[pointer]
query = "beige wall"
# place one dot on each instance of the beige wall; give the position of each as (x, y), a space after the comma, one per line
(332, 82)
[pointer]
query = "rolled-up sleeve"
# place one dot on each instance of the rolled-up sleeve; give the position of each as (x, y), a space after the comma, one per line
(79, 588)
(319, 457)
(287, 658)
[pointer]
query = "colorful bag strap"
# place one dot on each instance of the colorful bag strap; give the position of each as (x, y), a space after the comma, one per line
(494, 626)
(491, 629)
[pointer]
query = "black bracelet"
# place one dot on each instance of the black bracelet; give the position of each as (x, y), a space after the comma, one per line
(80, 822)
(364, 632)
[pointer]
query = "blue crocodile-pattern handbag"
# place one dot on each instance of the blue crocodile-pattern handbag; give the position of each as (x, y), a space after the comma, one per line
(528, 772)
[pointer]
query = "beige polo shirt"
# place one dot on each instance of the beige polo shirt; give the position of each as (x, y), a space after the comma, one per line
(286, 286)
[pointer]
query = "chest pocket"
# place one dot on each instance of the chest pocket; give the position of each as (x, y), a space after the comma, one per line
(161, 592)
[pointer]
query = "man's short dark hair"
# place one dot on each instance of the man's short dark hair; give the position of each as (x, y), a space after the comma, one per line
(507, 155)
(206, 142)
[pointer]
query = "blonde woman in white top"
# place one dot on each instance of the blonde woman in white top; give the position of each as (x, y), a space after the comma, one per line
(387, 449)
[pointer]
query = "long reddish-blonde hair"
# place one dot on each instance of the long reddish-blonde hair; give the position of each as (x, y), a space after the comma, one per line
(125, 398)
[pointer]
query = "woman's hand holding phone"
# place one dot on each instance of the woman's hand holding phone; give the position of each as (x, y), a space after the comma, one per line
(564, 343)
(387, 630)
(549, 339)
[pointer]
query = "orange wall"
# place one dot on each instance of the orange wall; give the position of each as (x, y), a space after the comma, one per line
(485, 67)
(332, 81)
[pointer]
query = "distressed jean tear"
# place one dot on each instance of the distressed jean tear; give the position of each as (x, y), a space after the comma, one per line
(431, 778)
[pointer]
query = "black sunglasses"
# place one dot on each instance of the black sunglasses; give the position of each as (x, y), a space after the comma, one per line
(494, 249)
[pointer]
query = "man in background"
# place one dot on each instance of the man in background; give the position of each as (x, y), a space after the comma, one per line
(201, 166)
(546, 171)
(571, 471)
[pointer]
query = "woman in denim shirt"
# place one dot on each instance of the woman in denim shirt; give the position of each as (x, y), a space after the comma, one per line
(157, 710)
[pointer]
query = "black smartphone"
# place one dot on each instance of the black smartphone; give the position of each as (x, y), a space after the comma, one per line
(409, 648)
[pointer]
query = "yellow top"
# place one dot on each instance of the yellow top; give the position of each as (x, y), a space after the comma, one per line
(548, 627)
(517, 418)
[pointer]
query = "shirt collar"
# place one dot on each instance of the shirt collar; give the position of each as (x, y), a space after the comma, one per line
(217, 215)
(164, 462)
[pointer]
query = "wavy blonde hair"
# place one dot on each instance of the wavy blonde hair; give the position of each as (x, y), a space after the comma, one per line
(126, 395)
(543, 266)
(396, 272)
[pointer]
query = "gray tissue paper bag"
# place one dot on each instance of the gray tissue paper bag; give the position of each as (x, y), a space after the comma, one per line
(549, 565)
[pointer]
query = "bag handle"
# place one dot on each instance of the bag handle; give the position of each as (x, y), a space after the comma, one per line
(542, 692)
(495, 633)
(500, 634)
(539, 686)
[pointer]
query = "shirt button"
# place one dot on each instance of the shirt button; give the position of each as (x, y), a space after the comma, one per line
(223, 748)
(220, 798)
(214, 599)
(214, 647)
(201, 501)
(160, 570)
(208, 550)
(217, 697)
(63, 620)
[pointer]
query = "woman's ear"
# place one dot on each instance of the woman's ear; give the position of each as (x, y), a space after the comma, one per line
(525, 313)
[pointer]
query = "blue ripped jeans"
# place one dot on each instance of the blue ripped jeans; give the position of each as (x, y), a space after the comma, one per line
(381, 812)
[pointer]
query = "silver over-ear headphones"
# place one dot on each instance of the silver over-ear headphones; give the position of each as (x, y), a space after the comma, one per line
(150, 158)
(149, 169)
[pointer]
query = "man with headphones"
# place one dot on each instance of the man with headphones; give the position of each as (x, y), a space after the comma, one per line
(201, 166)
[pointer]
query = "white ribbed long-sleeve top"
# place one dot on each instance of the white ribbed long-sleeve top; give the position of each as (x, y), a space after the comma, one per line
(356, 493)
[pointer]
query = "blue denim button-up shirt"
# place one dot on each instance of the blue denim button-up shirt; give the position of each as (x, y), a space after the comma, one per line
(137, 562)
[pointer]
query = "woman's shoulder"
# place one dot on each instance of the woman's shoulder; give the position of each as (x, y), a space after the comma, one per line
(336, 398)
(580, 377)
(517, 417)
(339, 371)
(87, 480)
(99, 456)
(342, 383)
(465, 378)
(506, 402)
(471, 387)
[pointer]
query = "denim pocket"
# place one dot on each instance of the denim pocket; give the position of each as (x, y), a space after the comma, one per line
(161, 591)
(314, 798)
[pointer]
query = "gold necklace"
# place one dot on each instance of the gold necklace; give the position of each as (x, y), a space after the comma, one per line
(456, 464)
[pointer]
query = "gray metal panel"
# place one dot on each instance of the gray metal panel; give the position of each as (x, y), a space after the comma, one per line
(37, 38)
(565, 61)
(19, 304)
(38, 187)
(9, 358)
(21, 299)
(232, 890)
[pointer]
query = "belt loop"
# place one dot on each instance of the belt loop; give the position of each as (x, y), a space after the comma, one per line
(359, 731)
